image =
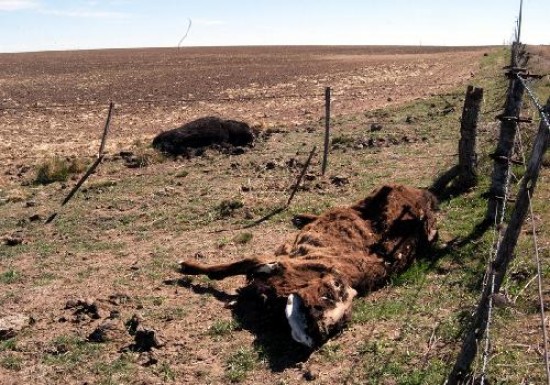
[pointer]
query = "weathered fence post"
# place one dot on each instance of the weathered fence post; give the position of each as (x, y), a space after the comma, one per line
(465, 173)
(504, 255)
(327, 130)
(467, 160)
(503, 154)
(508, 128)
(100, 156)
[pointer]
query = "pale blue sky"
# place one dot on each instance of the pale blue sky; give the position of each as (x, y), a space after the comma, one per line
(36, 25)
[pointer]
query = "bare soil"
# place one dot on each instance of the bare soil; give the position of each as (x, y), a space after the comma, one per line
(111, 253)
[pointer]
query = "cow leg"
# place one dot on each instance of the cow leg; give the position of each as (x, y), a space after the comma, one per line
(248, 266)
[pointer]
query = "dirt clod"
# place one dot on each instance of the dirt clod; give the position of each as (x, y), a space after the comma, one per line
(339, 180)
(13, 240)
(11, 325)
(108, 331)
(133, 323)
(35, 218)
(84, 309)
(146, 339)
(376, 127)
(118, 299)
(310, 374)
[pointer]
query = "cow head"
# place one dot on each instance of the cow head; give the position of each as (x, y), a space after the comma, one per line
(316, 308)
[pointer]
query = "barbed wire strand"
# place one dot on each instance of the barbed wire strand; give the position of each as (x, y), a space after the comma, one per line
(537, 258)
(497, 241)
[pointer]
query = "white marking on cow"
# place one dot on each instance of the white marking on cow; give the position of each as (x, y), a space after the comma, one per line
(332, 316)
(268, 268)
(297, 320)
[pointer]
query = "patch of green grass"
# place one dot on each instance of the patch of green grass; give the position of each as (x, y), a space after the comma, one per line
(12, 362)
(387, 308)
(222, 328)
(10, 276)
(8, 345)
(45, 278)
(331, 352)
(115, 372)
(9, 252)
(70, 352)
(240, 364)
(386, 362)
(166, 372)
(414, 275)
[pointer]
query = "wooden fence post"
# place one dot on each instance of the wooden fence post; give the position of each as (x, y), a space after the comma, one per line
(503, 154)
(327, 130)
(504, 255)
(100, 156)
(467, 160)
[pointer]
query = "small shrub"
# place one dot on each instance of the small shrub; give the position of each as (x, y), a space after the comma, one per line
(12, 362)
(227, 207)
(10, 276)
(58, 170)
(243, 238)
(8, 345)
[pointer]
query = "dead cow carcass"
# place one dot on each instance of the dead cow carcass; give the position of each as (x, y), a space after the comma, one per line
(204, 132)
(337, 255)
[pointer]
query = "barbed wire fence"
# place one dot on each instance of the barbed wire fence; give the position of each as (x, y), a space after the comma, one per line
(505, 240)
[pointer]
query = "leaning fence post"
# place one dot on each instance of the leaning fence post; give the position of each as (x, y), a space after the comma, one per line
(327, 130)
(100, 156)
(467, 160)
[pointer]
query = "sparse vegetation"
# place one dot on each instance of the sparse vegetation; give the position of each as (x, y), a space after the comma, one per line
(10, 276)
(240, 364)
(243, 238)
(58, 169)
(222, 328)
(227, 207)
(12, 362)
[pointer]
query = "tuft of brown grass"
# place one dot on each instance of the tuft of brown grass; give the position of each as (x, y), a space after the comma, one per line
(59, 169)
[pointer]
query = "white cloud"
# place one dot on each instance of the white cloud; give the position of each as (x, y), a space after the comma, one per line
(17, 5)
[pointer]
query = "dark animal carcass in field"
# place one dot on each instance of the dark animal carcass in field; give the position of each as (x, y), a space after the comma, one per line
(204, 132)
(335, 256)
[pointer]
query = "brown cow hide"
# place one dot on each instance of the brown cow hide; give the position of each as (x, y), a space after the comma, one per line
(204, 132)
(336, 255)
